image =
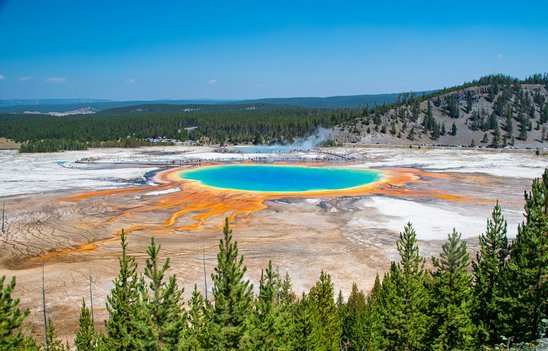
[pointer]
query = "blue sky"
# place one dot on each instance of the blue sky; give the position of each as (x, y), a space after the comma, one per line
(249, 49)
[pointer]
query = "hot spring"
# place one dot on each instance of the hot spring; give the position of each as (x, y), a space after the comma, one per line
(281, 178)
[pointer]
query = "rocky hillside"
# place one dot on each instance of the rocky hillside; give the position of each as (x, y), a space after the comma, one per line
(495, 111)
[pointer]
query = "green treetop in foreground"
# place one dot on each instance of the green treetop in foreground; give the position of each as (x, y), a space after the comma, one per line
(453, 328)
(405, 298)
(11, 320)
(232, 293)
(527, 267)
(490, 272)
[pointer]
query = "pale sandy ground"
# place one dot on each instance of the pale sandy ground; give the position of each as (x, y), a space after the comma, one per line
(7, 144)
(352, 238)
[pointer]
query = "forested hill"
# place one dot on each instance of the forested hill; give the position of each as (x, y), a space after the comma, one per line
(494, 111)
(159, 124)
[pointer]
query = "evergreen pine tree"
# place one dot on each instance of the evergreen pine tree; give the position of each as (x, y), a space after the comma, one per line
(304, 320)
(393, 129)
(287, 305)
(11, 320)
(341, 309)
(496, 136)
(326, 326)
(528, 266)
(490, 277)
(492, 120)
(453, 328)
(287, 295)
(86, 337)
(353, 322)
(264, 332)
(405, 298)
(469, 100)
(411, 135)
(373, 318)
(163, 301)
(454, 129)
(435, 131)
(128, 327)
(54, 344)
(233, 294)
(522, 127)
(197, 334)
(509, 127)
(428, 122)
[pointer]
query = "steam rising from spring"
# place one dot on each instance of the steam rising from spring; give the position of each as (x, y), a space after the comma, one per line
(316, 139)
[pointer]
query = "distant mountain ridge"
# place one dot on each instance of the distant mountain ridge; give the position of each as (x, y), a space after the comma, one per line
(64, 105)
(345, 101)
(34, 102)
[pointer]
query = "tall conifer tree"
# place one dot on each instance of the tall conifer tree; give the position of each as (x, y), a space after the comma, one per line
(528, 266)
(490, 274)
(197, 334)
(54, 343)
(354, 324)
(304, 312)
(86, 337)
(373, 318)
(232, 293)
(11, 320)
(453, 328)
(405, 298)
(326, 326)
(163, 301)
(287, 305)
(266, 324)
(129, 326)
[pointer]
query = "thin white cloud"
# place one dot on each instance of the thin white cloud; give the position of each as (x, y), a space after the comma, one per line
(499, 56)
(212, 81)
(2, 77)
(131, 81)
(56, 80)
(25, 78)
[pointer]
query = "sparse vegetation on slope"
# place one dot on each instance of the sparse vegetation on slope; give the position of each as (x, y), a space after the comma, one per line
(494, 111)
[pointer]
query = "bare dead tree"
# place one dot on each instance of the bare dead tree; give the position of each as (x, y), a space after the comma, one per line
(278, 289)
(3, 217)
(44, 306)
(344, 343)
(205, 275)
(91, 297)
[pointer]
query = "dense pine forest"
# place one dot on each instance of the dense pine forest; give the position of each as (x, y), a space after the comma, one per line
(136, 125)
(494, 111)
(495, 300)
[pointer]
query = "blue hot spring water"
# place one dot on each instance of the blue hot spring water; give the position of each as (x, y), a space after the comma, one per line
(278, 178)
